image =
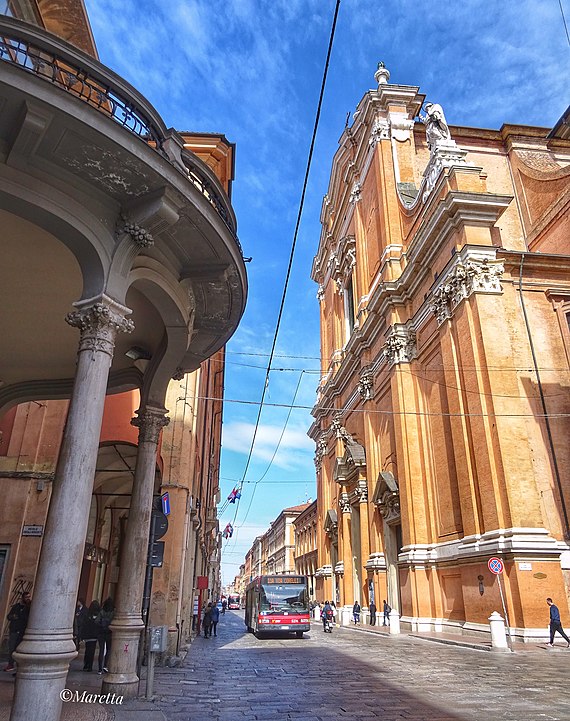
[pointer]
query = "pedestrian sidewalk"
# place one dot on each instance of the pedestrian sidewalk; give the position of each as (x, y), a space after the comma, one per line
(462, 640)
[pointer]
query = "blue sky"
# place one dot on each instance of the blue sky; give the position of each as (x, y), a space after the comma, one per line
(252, 69)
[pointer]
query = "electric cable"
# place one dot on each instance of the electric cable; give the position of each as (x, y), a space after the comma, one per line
(293, 245)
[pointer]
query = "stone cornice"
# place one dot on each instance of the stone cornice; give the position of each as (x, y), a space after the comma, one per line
(528, 542)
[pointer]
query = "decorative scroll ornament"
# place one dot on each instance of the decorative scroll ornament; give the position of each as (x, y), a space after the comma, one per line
(340, 431)
(150, 422)
(321, 293)
(366, 383)
(389, 506)
(355, 194)
(344, 503)
(380, 131)
(466, 278)
(140, 236)
(178, 374)
(99, 325)
(320, 451)
(400, 345)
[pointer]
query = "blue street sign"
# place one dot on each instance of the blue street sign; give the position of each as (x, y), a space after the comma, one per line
(165, 503)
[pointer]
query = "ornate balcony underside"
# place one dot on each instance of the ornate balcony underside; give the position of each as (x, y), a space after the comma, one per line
(98, 196)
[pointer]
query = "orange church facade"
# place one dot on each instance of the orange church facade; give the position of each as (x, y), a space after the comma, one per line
(442, 418)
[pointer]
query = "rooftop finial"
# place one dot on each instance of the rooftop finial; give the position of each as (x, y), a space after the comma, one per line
(382, 74)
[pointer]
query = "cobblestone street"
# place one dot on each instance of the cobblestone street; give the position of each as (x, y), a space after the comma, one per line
(355, 675)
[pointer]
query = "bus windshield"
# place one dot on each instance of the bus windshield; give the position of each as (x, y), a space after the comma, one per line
(283, 597)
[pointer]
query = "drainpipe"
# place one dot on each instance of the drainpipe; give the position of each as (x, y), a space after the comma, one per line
(544, 409)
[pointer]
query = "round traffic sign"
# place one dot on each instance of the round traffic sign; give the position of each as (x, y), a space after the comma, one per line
(495, 566)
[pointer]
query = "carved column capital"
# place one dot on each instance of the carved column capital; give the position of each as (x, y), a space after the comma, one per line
(99, 324)
(150, 421)
(321, 293)
(344, 503)
(361, 492)
(400, 345)
(469, 275)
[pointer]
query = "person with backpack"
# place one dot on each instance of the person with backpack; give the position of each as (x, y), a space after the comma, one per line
(327, 615)
(386, 610)
(18, 621)
(104, 621)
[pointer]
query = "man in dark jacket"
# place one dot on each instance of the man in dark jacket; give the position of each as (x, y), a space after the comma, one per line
(372, 609)
(555, 623)
(79, 621)
(18, 619)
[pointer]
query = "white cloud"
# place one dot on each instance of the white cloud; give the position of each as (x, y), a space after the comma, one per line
(293, 449)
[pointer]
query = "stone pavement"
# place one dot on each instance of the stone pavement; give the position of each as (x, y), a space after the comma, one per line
(354, 673)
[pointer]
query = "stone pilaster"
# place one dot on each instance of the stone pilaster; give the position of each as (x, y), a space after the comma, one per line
(127, 623)
(44, 655)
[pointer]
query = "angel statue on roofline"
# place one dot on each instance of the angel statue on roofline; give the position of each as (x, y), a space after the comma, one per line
(437, 130)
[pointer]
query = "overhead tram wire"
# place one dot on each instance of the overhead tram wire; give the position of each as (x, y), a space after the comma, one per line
(259, 480)
(266, 471)
(293, 245)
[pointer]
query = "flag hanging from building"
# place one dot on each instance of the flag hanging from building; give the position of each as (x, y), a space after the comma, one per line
(234, 495)
(228, 531)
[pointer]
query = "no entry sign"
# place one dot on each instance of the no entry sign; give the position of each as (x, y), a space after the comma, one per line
(495, 566)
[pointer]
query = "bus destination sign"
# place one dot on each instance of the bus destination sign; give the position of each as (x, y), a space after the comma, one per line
(285, 579)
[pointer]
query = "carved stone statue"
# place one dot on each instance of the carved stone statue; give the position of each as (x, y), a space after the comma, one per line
(437, 130)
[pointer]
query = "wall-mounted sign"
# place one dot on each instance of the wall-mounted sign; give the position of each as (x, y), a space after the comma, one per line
(540, 576)
(525, 566)
(32, 530)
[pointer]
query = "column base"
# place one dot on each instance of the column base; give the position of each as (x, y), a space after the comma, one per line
(43, 664)
(120, 686)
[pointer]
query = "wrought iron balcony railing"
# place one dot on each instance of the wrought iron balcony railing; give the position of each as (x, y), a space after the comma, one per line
(46, 56)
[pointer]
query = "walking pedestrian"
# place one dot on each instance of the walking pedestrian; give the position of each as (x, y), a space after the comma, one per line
(104, 621)
(207, 621)
(91, 632)
(372, 609)
(224, 606)
(555, 623)
(215, 616)
(18, 620)
(386, 610)
(356, 613)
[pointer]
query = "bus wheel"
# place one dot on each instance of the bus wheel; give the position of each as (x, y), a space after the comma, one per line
(299, 634)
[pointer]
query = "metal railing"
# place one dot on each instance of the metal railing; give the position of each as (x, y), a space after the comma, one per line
(46, 56)
(211, 193)
(62, 72)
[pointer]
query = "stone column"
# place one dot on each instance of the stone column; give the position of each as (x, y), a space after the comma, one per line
(362, 495)
(127, 623)
(44, 655)
(347, 582)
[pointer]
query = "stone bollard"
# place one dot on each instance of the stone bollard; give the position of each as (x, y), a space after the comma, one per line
(498, 632)
(394, 622)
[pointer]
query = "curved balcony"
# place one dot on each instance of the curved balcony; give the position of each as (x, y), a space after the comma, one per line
(98, 196)
(47, 57)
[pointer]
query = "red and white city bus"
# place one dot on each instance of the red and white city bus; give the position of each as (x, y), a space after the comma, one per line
(277, 603)
(233, 603)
